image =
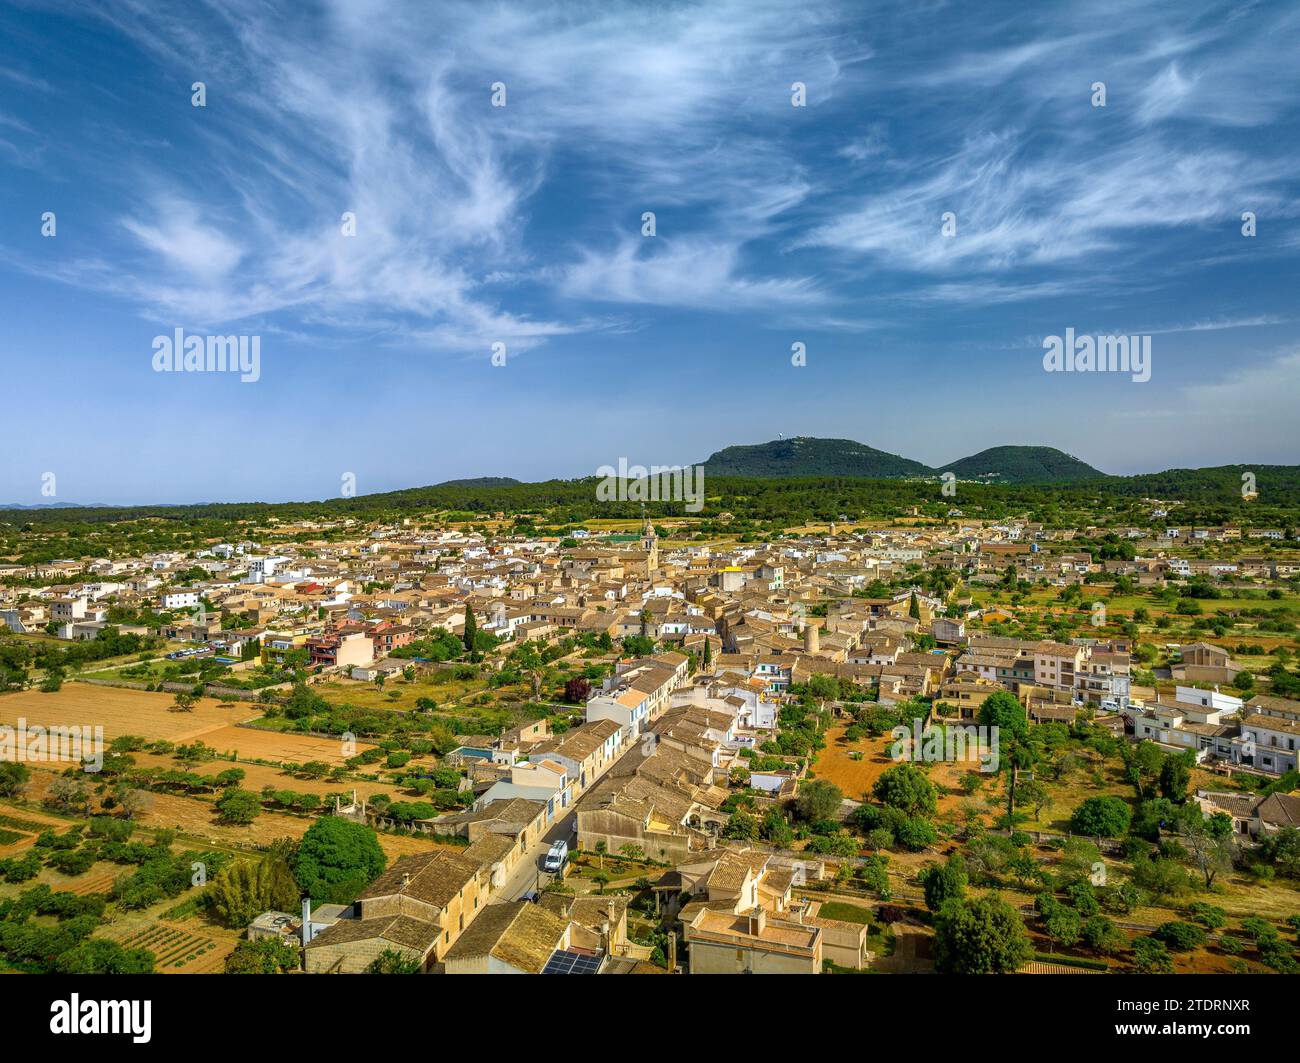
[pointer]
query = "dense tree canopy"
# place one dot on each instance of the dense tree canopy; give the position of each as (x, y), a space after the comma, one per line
(337, 859)
(980, 936)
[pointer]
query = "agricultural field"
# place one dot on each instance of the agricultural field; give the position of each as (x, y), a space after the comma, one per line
(1161, 624)
(440, 686)
(120, 711)
(193, 816)
(474, 705)
(196, 819)
(187, 947)
(254, 743)
(257, 776)
(19, 830)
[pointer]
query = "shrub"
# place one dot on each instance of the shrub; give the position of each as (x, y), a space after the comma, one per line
(1151, 957)
(1180, 936)
(1208, 915)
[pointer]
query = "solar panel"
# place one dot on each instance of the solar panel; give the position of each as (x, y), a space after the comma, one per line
(568, 962)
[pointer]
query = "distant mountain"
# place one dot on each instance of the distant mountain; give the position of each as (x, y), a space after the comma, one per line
(1221, 482)
(806, 456)
(480, 481)
(1022, 465)
(53, 505)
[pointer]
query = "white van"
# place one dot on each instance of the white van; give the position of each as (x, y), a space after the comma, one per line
(557, 857)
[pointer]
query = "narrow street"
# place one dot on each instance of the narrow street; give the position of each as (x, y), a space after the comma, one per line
(528, 875)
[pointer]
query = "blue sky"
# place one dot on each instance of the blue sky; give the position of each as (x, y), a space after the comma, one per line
(522, 225)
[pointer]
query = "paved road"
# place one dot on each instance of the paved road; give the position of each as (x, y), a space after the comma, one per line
(528, 875)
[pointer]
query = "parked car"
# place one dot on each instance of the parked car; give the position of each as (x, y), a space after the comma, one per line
(557, 857)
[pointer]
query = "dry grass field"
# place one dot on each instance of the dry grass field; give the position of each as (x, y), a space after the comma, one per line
(279, 746)
(121, 711)
(196, 819)
(856, 777)
(256, 776)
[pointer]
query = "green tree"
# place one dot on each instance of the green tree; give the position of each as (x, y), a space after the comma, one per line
(906, 788)
(944, 882)
(1175, 778)
(1151, 957)
(14, 778)
(101, 956)
(184, 701)
(819, 800)
(741, 827)
(1004, 711)
(776, 830)
(391, 961)
(265, 956)
(239, 806)
(980, 936)
(470, 633)
(1282, 851)
(1063, 925)
(1180, 936)
(1103, 936)
(245, 889)
(1035, 795)
(915, 833)
(1101, 817)
(337, 859)
(1209, 915)
(1207, 841)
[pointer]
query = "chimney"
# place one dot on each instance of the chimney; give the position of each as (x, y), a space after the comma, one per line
(306, 920)
(757, 921)
(406, 879)
(812, 637)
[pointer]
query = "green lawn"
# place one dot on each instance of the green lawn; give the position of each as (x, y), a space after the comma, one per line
(847, 913)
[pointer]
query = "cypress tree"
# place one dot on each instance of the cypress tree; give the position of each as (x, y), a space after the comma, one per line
(471, 631)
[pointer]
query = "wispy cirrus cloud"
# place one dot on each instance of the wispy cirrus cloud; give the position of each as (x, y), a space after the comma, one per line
(468, 228)
(389, 118)
(1016, 209)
